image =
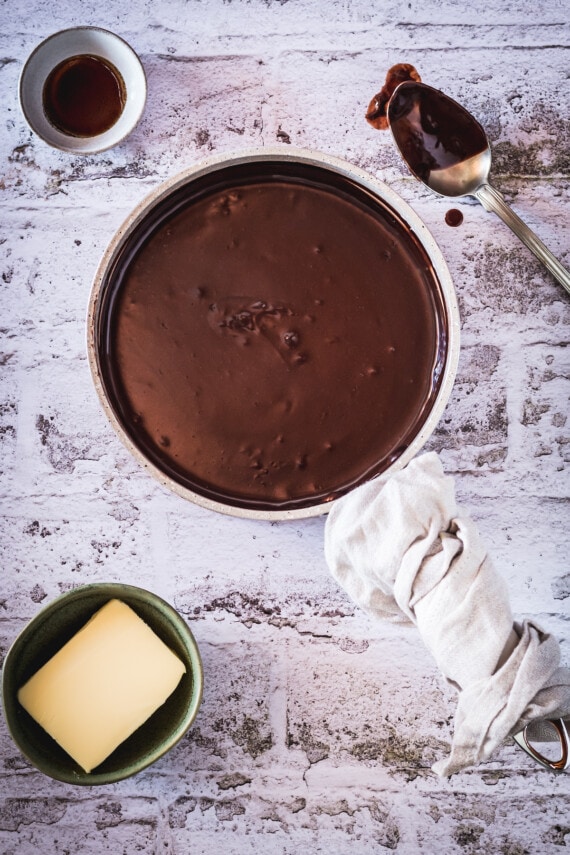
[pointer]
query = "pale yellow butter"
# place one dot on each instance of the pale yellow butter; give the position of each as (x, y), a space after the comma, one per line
(102, 685)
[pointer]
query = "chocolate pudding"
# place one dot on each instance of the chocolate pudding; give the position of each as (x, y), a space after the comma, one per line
(376, 115)
(271, 335)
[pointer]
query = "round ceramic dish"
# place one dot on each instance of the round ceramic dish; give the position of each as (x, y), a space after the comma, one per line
(271, 164)
(91, 41)
(48, 631)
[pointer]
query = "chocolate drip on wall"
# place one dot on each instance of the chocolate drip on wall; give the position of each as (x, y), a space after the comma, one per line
(272, 344)
(376, 113)
(453, 217)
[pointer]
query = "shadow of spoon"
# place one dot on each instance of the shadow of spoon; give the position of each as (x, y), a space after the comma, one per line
(446, 148)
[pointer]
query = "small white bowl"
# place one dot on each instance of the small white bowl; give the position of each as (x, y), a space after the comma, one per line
(73, 42)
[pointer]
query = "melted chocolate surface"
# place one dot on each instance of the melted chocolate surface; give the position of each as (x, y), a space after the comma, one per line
(272, 336)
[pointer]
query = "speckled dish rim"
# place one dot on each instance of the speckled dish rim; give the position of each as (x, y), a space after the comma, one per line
(311, 158)
(131, 594)
(71, 42)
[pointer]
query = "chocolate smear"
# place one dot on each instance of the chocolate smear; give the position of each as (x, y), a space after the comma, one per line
(377, 109)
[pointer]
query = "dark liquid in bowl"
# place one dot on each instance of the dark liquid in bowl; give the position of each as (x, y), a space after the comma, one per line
(84, 96)
(271, 335)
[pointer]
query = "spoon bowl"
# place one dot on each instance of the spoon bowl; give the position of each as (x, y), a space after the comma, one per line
(442, 143)
(447, 149)
(462, 179)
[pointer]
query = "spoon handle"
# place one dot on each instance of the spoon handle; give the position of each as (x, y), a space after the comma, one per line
(492, 200)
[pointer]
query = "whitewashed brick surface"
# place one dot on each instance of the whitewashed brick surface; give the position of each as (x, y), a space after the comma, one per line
(318, 725)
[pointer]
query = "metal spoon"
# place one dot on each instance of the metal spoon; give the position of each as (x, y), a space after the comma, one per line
(544, 732)
(446, 148)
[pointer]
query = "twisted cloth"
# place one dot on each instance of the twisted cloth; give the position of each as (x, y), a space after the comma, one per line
(405, 552)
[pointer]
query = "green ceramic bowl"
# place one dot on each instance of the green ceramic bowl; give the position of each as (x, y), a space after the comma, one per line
(52, 627)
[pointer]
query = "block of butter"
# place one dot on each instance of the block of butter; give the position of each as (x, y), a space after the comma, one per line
(102, 685)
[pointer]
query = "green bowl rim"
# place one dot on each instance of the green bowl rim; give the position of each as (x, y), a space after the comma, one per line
(116, 590)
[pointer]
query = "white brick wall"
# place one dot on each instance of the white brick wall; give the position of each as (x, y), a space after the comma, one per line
(318, 726)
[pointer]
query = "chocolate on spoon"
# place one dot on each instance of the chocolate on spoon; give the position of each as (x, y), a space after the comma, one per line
(446, 148)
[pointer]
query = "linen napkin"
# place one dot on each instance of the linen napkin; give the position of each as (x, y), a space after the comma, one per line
(405, 552)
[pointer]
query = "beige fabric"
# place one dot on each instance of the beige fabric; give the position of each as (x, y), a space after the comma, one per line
(405, 552)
